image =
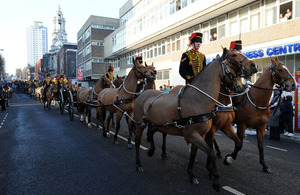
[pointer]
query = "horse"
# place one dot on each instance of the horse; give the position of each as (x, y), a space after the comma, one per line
(39, 92)
(253, 109)
(161, 111)
(85, 95)
(48, 98)
(10, 92)
(148, 84)
(122, 100)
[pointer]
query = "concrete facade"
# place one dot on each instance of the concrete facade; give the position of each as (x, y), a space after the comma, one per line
(159, 32)
(90, 55)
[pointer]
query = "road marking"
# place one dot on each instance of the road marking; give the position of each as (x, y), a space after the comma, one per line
(277, 148)
(218, 134)
(76, 115)
(123, 138)
(229, 189)
(3, 120)
(246, 141)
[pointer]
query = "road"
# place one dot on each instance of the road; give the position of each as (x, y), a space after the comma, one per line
(43, 152)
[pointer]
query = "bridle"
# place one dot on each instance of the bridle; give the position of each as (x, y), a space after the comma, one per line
(239, 64)
(275, 74)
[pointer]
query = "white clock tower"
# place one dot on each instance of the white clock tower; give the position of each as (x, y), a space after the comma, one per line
(59, 34)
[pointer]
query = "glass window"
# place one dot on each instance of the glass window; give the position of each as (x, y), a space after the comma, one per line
(213, 23)
(297, 14)
(184, 3)
(166, 75)
(271, 16)
(173, 46)
(244, 25)
(290, 63)
(233, 28)
(297, 64)
(232, 15)
(254, 8)
(221, 31)
(243, 12)
(255, 21)
(270, 2)
(163, 50)
(159, 75)
(169, 47)
(178, 45)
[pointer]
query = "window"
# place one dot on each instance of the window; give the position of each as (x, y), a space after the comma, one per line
(285, 11)
(270, 12)
(172, 7)
(297, 13)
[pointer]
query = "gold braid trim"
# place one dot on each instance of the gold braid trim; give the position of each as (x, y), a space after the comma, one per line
(196, 61)
(110, 76)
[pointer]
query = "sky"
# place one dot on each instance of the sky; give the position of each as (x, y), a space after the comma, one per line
(17, 15)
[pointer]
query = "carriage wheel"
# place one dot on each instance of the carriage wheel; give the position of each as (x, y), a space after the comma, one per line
(61, 101)
(71, 105)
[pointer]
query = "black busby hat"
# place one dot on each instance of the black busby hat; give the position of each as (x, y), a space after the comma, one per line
(139, 59)
(236, 45)
(196, 37)
(111, 68)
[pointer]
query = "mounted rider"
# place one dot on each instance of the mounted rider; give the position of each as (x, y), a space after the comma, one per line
(192, 61)
(237, 45)
(109, 73)
(54, 80)
(47, 82)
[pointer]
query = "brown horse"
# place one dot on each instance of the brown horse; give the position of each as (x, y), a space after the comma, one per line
(86, 96)
(49, 97)
(254, 109)
(192, 119)
(39, 93)
(122, 100)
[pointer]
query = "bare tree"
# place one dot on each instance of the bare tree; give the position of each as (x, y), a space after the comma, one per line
(2, 65)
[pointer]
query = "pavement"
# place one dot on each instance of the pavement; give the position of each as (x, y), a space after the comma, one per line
(295, 138)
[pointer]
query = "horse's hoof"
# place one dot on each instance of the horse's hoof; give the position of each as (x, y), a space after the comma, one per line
(116, 142)
(267, 170)
(150, 153)
(228, 160)
(89, 125)
(129, 146)
(217, 187)
(194, 181)
(107, 134)
(140, 169)
(164, 157)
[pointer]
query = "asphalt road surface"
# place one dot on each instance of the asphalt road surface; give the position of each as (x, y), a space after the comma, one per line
(43, 152)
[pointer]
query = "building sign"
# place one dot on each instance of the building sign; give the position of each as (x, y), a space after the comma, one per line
(270, 51)
(79, 73)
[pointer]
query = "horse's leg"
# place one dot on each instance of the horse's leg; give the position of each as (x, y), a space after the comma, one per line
(118, 120)
(88, 116)
(138, 136)
(130, 129)
(240, 134)
(101, 113)
(81, 110)
(108, 120)
(260, 131)
(112, 119)
(198, 141)
(217, 148)
(163, 147)
(49, 104)
(150, 134)
(193, 153)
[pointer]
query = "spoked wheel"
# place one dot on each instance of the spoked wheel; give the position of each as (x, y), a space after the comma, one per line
(61, 101)
(70, 105)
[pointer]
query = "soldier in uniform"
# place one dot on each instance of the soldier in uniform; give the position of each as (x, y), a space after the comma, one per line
(54, 80)
(237, 45)
(46, 84)
(109, 73)
(192, 61)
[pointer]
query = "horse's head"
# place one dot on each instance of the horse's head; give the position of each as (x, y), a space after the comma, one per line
(107, 83)
(118, 81)
(141, 71)
(281, 75)
(152, 75)
(239, 63)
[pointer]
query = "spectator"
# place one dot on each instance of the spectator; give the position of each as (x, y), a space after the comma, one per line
(211, 38)
(215, 36)
(273, 122)
(281, 18)
(161, 88)
(166, 89)
(288, 14)
(287, 115)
